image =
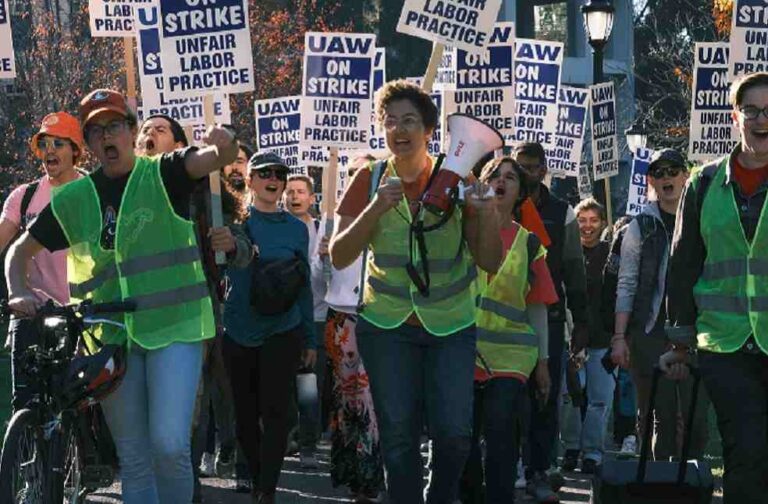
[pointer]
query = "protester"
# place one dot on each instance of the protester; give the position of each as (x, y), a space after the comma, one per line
(299, 198)
(161, 134)
(133, 213)
(512, 343)
(566, 264)
(59, 145)
(355, 447)
(418, 349)
(717, 289)
(639, 338)
(586, 435)
(237, 172)
(263, 349)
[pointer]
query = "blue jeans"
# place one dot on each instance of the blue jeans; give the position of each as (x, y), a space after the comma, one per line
(150, 417)
(418, 378)
(589, 435)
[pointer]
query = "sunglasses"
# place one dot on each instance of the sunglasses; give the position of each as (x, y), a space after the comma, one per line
(96, 131)
(666, 170)
(268, 173)
(46, 143)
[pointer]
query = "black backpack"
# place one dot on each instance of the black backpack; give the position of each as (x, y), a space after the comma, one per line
(26, 199)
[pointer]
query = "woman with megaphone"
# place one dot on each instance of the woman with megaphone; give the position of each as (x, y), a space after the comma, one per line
(512, 340)
(416, 331)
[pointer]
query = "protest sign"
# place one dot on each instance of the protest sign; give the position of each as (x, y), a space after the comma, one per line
(464, 24)
(585, 182)
(205, 47)
(605, 146)
(113, 18)
(186, 111)
(484, 82)
(564, 158)
(278, 128)
(435, 145)
(748, 38)
(537, 66)
(336, 103)
(712, 132)
(7, 59)
(445, 79)
(637, 197)
(321, 156)
(377, 143)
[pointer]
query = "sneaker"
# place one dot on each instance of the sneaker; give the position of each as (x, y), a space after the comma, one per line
(243, 485)
(629, 446)
(570, 460)
(588, 466)
(225, 463)
(520, 483)
(540, 489)
(207, 465)
(308, 461)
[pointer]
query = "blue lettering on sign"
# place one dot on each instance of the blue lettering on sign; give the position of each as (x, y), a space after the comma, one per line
(180, 19)
(537, 52)
(711, 89)
(150, 49)
(536, 82)
(338, 77)
(338, 44)
(3, 13)
(490, 69)
(751, 14)
(279, 131)
(5, 64)
(603, 112)
(571, 121)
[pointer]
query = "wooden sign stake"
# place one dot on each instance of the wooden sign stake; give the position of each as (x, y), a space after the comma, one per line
(328, 203)
(434, 62)
(214, 179)
(130, 72)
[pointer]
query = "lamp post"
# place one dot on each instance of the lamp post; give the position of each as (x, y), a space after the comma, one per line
(598, 23)
(637, 136)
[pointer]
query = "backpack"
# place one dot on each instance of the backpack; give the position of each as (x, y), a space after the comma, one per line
(26, 199)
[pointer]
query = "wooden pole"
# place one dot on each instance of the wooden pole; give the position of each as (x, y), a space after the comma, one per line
(328, 203)
(434, 62)
(608, 204)
(130, 72)
(215, 182)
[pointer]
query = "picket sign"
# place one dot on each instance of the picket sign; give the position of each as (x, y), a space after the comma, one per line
(217, 219)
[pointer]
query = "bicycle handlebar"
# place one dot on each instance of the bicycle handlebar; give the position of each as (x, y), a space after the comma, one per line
(86, 308)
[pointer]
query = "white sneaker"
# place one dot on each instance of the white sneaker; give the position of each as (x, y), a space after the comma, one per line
(208, 465)
(521, 483)
(629, 446)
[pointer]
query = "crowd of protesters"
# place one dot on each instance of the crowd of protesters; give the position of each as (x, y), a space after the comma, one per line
(514, 344)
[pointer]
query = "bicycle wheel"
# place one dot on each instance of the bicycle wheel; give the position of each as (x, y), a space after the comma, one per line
(66, 466)
(23, 461)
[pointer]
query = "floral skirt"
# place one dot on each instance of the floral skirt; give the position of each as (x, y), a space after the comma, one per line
(355, 453)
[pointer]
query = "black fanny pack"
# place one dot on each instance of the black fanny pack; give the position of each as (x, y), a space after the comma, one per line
(276, 285)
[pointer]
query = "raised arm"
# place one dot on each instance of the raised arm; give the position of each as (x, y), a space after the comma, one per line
(221, 149)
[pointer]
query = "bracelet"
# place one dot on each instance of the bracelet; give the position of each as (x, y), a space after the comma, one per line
(617, 337)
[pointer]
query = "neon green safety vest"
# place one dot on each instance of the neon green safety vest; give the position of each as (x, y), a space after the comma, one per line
(390, 297)
(732, 292)
(505, 339)
(155, 261)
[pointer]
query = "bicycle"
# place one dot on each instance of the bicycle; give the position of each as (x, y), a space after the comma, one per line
(49, 451)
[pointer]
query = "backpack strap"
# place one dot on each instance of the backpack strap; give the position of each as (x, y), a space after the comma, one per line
(377, 172)
(29, 193)
(707, 175)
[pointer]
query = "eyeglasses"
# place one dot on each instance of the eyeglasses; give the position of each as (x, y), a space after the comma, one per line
(46, 143)
(96, 132)
(666, 170)
(268, 173)
(408, 123)
(752, 112)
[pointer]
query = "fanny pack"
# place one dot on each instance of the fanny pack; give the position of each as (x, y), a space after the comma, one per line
(276, 285)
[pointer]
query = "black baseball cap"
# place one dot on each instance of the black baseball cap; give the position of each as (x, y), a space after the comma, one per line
(668, 157)
(266, 160)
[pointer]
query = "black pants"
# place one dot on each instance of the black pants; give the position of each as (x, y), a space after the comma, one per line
(23, 336)
(261, 380)
(737, 384)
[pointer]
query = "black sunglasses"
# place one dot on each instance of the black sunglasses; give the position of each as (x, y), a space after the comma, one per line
(666, 170)
(267, 173)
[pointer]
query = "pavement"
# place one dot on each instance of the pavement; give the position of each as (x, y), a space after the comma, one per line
(302, 486)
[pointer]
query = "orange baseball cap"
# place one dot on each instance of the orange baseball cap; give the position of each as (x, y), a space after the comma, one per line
(99, 101)
(62, 125)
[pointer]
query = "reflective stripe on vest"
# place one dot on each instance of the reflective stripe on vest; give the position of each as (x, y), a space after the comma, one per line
(389, 296)
(732, 293)
(505, 339)
(155, 261)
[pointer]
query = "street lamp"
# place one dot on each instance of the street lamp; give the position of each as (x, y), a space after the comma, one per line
(598, 23)
(637, 136)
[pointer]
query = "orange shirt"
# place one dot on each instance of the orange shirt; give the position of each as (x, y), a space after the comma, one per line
(749, 181)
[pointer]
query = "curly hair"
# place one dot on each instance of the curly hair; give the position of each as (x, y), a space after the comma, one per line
(493, 166)
(403, 90)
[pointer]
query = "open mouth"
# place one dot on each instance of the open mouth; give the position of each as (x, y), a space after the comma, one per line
(51, 161)
(668, 189)
(271, 188)
(500, 191)
(400, 142)
(297, 206)
(149, 146)
(111, 152)
(760, 133)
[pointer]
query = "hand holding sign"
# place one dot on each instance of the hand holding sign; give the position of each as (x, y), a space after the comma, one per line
(224, 142)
